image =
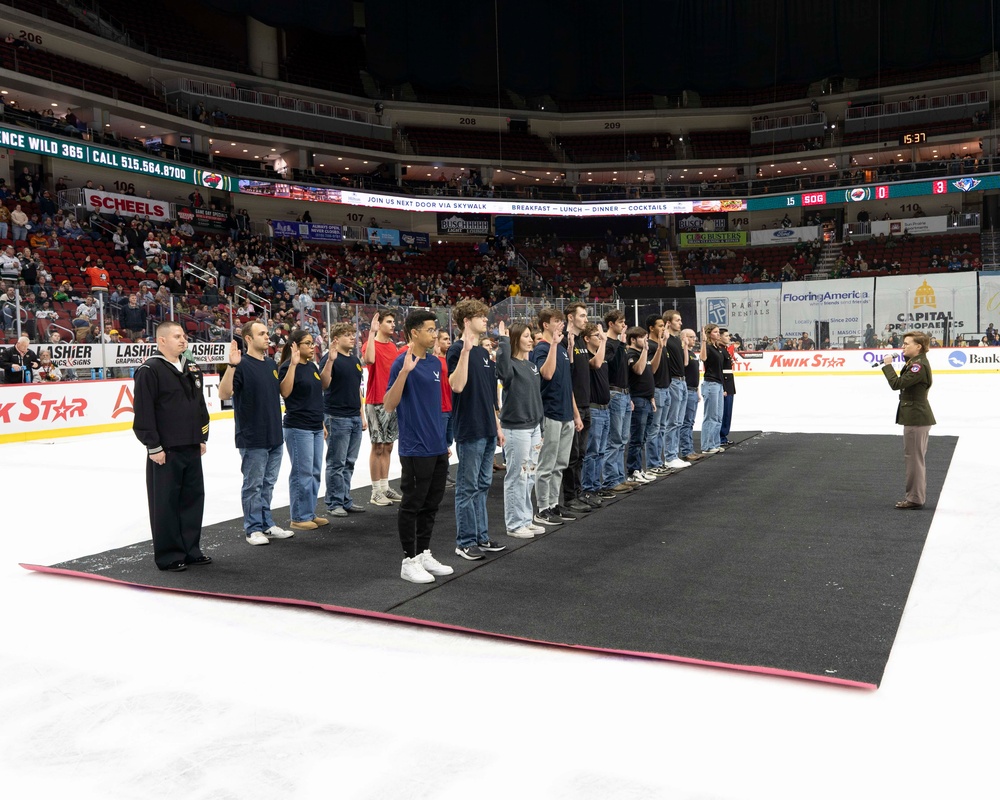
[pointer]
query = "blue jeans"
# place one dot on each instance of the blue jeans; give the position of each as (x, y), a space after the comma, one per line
(618, 432)
(260, 467)
(472, 484)
(690, 412)
(343, 443)
(727, 417)
(675, 419)
(521, 450)
(711, 420)
(637, 437)
(657, 429)
(449, 428)
(305, 450)
(597, 447)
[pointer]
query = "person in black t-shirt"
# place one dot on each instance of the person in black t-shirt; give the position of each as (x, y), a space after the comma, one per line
(579, 360)
(676, 398)
(252, 382)
(641, 387)
(658, 363)
(302, 385)
(620, 407)
(692, 378)
(343, 418)
(475, 414)
(711, 389)
(600, 415)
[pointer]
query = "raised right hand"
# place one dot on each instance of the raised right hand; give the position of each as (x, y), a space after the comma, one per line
(502, 328)
(234, 353)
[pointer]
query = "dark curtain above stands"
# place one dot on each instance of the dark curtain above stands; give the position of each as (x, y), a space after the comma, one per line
(573, 48)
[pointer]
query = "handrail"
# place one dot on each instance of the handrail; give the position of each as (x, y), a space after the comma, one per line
(918, 104)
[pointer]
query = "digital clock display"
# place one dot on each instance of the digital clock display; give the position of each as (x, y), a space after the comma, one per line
(914, 137)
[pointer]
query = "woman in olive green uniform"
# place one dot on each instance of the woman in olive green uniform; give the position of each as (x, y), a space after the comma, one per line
(914, 412)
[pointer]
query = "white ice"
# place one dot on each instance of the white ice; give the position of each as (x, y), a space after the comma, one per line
(110, 692)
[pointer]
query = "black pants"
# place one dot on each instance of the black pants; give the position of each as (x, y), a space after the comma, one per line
(572, 481)
(176, 492)
(422, 487)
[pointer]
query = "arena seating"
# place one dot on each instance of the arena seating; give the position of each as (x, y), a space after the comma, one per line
(595, 148)
(478, 144)
(175, 39)
(77, 74)
(308, 134)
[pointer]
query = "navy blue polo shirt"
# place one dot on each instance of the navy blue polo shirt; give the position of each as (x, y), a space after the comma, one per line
(304, 406)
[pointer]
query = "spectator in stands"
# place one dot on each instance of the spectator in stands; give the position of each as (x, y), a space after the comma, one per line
(8, 309)
(47, 371)
(10, 265)
(4, 221)
(19, 361)
(806, 343)
(133, 318)
(210, 294)
(19, 221)
(152, 247)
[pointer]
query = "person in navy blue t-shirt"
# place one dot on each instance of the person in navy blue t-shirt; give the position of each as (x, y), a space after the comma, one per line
(252, 382)
(414, 393)
(302, 386)
(561, 417)
(473, 379)
(344, 418)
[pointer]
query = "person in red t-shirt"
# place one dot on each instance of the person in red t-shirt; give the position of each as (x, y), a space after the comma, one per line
(441, 351)
(380, 353)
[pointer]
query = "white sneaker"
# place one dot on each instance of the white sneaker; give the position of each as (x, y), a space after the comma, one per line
(432, 565)
(536, 529)
(379, 499)
(392, 496)
(257, 538)
(715, 450)
(414, 572)
(274, 532)
(639, 477)
(678, 464)
(649, 476)
(524, 532)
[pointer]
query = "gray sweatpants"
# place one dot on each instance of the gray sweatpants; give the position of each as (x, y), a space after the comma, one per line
(557, 440)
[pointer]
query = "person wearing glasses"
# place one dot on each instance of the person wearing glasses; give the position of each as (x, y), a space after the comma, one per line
(414, 396)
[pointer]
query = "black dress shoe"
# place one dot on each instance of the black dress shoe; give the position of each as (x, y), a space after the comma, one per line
(905, 504)
(195, 562)
(176, 566)
(577, 505)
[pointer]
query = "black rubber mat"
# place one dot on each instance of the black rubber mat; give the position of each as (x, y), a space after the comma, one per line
(776, 556)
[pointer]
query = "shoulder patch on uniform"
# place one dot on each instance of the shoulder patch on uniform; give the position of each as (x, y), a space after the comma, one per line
(915, 368)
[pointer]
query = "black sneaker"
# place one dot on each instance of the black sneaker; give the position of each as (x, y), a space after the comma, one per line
(574, 505)
(591, 499)
(473, 553)
(562, 514)
(548, 517)
(492, 547)
(607, 494)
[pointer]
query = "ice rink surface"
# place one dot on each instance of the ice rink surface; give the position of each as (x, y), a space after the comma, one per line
(112, 692)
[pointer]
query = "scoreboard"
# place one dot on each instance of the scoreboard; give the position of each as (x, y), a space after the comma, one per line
(881, 191)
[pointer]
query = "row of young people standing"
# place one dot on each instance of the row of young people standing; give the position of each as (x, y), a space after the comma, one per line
(322, 406)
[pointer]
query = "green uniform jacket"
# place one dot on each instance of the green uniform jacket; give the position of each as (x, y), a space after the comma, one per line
(912, 383)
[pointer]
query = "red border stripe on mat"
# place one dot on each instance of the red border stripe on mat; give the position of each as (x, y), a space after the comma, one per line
(444, 626)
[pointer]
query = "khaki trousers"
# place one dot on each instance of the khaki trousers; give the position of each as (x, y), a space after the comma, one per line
(914, 450)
